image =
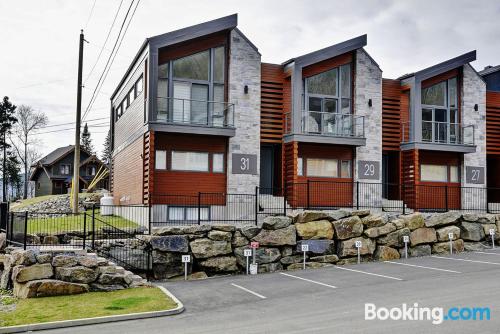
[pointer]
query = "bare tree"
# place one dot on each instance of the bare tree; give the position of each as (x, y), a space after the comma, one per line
(29, 120)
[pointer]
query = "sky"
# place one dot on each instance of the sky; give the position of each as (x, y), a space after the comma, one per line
(39, 53)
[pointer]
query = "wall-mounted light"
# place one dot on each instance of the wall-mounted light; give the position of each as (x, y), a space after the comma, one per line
(476, 107)
(370, 103)
(245, 89)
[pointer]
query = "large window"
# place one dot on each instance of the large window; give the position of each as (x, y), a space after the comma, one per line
(440, 122)
(328, 102)
(181, 213)
(161, 159)
(325, 168)
(64, 169)
(190, 161)
(439, 173)
(218, 162)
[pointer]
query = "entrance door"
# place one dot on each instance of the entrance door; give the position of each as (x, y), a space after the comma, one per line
(266, 169)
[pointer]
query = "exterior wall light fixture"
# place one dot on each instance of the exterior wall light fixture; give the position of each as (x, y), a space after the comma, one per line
(245, 89)
(476, 107)
(370, 103)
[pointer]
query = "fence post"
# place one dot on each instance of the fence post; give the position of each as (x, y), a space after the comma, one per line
(308, 200)
(149, 213)
(25, 228)
(93, 226)
(199, 208)
(84, 229)
(446, 197)
(284, 202)
(256, 205)
(357, 195)
(11, 226)
(403, 197)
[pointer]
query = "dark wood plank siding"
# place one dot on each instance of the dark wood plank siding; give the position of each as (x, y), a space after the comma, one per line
(128, 174)
(391, 115)
(148, 166)
(493, 123)
(271, 110)
(327, 64)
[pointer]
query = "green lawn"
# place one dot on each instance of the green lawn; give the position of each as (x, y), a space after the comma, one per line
(27, 202)
(87, 305)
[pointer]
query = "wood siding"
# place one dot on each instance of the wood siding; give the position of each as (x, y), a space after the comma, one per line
(271, 110)
(493, 123)
(192, 46)
(327, 64)
(128, 174)
(391, 115)
(148, 166)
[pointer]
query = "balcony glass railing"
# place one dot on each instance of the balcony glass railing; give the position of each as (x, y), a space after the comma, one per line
(194, 112)
(329, 124)
(441, 133)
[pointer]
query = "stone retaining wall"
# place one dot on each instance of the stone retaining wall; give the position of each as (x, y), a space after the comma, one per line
(218, 249)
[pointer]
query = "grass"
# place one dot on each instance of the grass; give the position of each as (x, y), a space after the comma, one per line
(27, 202)
(87, 305)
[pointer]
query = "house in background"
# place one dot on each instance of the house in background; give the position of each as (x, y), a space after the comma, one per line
(53, 173)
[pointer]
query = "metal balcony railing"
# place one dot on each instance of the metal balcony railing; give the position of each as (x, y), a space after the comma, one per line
(329, 124)
(194, 112)
(441, 133)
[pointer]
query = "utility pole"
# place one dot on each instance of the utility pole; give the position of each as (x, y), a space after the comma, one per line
(76, 163)
(4, 170)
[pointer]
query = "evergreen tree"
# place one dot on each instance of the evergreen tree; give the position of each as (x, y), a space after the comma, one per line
(7, 119)
(106, 151)
(86, 142)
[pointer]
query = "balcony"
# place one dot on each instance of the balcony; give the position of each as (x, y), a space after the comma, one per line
(194, 116)
(327, 127)
(440, 136)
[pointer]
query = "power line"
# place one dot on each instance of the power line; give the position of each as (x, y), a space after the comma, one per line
(69, 123)
(90, 15)
(99, 82)
(67, 129)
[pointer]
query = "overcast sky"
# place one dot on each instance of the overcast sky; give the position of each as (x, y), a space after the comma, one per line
(38, 58)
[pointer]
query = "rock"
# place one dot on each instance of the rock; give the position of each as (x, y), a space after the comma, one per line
(338, 214)
(115, 279)
(309, 216)
(281, 237)
(292, 259)
(77, 274)
(223, 228)
(442, 233)
(394, 238)
(23, 257)
(373, 221)
(165, 271)
(48, 288)
(3, 241)
(423, 235)
(486, 229)
(262, 255)
(286, 251)
(23, 274)
(309, 265)
(5, 277)
(360, 213)
(205, 248)
(239, 240)
(417, 251)
(350, 260)
(220, 235)
(219, 264)
(444, 247)
(399, 223)
(198, 276)
(348, 227)
(97, 287)
(325, 258)
(111, 270)
(250, 231)
(486, 218)
(348, 247)
(471, 231)
(44, 258)
(87, 261)
(50, 240)
(384, 253)
(317, 246)
(320, 229)
(200, 230)
(474, 246)
(376, 232)
(269, 267)
(64, 261)
(413, 221)
(171, 243)
(441, 219)
(470, 217)
(276, 222)
(101, 261)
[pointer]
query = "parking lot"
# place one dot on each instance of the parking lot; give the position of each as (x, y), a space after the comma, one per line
(332, 299)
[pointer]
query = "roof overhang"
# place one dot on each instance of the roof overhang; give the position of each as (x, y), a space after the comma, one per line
(321, 139)
(445, 66)
(438, 147)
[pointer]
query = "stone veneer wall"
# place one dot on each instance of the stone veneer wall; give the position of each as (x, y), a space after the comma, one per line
(244, 69)
(218, 249)
(368, 85)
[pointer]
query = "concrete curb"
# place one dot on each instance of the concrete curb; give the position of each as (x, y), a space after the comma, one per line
(98, 320)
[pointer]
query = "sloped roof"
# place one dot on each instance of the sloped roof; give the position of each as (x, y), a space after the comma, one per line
(489, 70)
(55, 155)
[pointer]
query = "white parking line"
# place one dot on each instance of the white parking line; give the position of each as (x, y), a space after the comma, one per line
(489, 253)
(249, 291)
(372, 274)
(475, 261)
(309, 280)
(424, 267)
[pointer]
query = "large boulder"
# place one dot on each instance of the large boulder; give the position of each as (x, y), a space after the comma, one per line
(78, 274)
(205, 248)
(384, 253)
(239, 240)
(376, 232)
(413, 221)
(470, 217)
(219, 264)
(50, 240)
(325, 258)
(317, 246)
(23, 257)
(417, 251)
(262, 255)
(471, 231)
(292, 259)
(89, 261)
(374, 220)
(486, 218)
(444, 247)
(474, 246)
(441, 219)
(170, 243)
(486, 229)
(250, 231)
(348, 227)
(281, 237)
(423, 235)
(276, 222)
(3, 241)
(442, 233)
(170, 269)
(338, 214)
(48, 288)
(198, 230)
(394, 238)
(309, 216)
(224, 227)
(320, 229)
(115, 279)
(309, 265)
(269, 267)
(23, 274)
(64, 261)
(44, 257)
(360, 213)
(348, 247)
(220, 235)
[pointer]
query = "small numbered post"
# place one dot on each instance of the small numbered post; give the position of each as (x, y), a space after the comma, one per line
(406, 240)
(186, 259)
(492, 233)
(358, 246)
(305, 249)
(253, 267)
(451, 236)
(247, 253)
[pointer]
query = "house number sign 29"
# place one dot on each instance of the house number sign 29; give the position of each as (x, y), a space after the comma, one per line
(244, 163)
(368, 170)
